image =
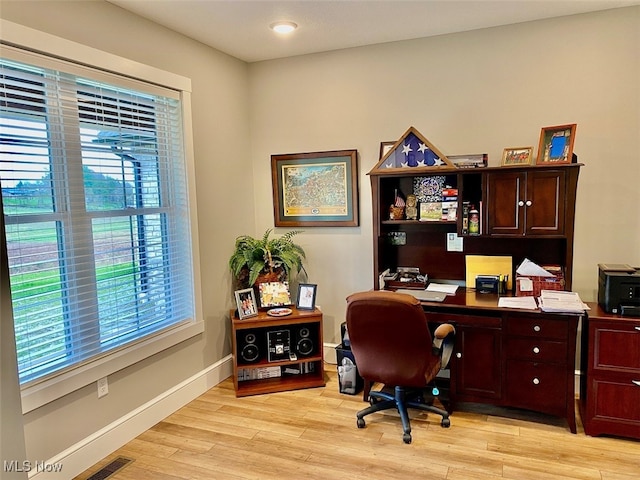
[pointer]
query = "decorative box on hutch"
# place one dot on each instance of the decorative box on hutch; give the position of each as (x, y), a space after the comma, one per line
(532, 285)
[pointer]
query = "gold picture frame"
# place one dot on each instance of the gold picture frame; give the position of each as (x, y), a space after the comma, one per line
(318, 189)
(274, 294)
(517, 156)
(556, 144)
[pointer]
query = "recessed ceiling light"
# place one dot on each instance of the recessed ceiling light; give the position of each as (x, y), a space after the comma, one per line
(283, 27)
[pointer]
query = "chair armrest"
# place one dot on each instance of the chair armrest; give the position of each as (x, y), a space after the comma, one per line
(443, 331)
(443, 342)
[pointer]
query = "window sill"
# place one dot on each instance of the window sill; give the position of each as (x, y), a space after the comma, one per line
(40, 393)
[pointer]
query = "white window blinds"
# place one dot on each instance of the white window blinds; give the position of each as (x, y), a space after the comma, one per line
(96, 208)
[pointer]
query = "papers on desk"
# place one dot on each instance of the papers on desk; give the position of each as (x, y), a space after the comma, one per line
(525, 303)
(549, 301)
(424, 295)
(561, 302)
(442, 287)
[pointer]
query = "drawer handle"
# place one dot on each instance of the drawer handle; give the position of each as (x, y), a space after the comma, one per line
(536, 350)
(521, 203)
(636, 382)
(536, 381)
(536, 328)
(637, 328)
(458, 355)
(529, 203)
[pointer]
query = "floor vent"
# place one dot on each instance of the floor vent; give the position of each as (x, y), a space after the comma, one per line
(110, 469)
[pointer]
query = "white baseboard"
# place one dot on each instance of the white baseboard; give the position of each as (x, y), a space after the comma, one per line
(89, 451)
(330, 353)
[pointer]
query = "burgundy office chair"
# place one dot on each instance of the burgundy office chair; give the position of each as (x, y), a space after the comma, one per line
(392, 344)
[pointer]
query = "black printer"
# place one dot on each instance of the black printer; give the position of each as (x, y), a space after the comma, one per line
(619, 289)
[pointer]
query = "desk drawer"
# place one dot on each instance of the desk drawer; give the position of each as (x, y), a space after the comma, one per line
(537, 350)
(537, 386)
(537, 327)
(467, 320)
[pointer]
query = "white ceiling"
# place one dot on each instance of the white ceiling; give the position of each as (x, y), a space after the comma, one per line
(241, 27)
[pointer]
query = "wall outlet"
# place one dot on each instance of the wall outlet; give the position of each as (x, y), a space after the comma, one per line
(103, 387)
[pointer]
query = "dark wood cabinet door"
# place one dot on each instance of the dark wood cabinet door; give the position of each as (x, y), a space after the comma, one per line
(544, 203)
(526, 203)
(613, 407)
(477, 363)
(505, 193)
(616, 347)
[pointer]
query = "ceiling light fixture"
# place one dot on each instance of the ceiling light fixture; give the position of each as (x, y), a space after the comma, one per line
(283, 27)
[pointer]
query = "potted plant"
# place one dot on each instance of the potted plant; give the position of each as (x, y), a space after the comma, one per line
(265, 260)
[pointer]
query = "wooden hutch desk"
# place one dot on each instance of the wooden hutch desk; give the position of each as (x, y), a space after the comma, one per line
(509, 357)
(505, 357)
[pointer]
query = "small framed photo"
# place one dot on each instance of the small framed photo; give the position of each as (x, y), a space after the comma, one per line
(556, 144)
(306, 296)
(385, 147)
(246, 302)
(517, 156)
(274, 294)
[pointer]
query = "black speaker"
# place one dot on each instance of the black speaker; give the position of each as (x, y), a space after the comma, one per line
(249, 346)
(306, 340)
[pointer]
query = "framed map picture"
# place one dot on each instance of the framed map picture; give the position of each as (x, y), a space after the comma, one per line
(315, 189)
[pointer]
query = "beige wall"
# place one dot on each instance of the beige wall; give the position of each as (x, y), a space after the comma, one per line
(472, 92)
(225, 204)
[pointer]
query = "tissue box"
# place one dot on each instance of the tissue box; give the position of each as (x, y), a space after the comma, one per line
(531, 286)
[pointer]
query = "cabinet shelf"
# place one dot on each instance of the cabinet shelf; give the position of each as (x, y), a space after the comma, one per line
(418, 222)
(282, 363)
(279, 384)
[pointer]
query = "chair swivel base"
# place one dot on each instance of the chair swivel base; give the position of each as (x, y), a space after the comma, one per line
(401, 400)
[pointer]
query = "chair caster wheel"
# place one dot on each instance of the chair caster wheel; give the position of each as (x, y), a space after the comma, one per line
(406, 438)
(373, 400)
(446, 423)
(360, 423)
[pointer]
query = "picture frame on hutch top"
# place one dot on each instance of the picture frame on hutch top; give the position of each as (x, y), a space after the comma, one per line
(556, 144)
(517, 156)
(318, 189)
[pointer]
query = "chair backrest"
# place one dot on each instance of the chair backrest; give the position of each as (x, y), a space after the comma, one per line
(390, 338)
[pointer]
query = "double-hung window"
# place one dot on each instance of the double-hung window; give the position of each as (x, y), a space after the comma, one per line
(94, 189)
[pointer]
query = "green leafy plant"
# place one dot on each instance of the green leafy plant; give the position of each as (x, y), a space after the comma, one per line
(274, 258)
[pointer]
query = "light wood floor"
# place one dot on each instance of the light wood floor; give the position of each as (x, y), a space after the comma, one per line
(312, 434)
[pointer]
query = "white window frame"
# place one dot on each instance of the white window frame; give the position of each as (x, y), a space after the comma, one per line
(36, 394)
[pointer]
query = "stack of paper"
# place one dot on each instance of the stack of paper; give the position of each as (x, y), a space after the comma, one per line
(561, 301)
(526, 303)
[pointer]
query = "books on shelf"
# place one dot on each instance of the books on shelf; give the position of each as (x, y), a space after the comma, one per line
(450, 204)
(261, 373)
